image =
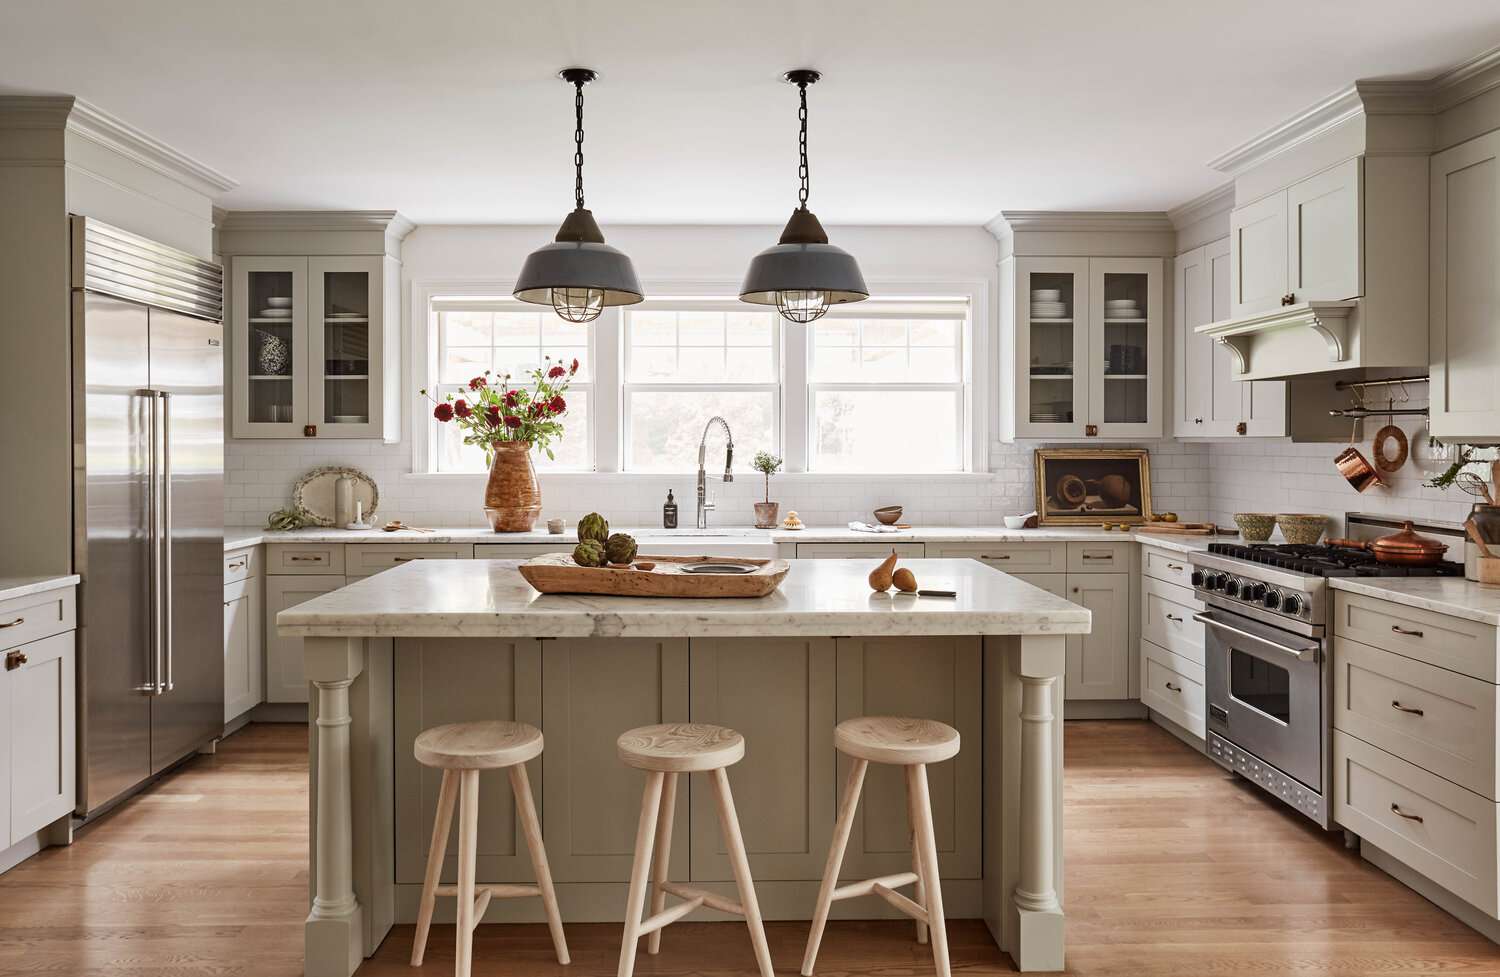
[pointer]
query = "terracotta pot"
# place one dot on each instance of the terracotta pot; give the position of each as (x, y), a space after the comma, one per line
(512, 498)
(766, 514)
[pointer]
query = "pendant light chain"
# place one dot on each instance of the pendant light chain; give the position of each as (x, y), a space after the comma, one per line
(578, 145)
(802, 146)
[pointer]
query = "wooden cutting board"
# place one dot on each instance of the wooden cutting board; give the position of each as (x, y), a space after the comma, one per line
(1180, 528)
(556, 573)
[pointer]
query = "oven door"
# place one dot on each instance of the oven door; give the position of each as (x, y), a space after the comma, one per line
(1265, 693)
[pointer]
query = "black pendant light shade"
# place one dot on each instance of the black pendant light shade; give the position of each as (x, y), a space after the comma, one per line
(802, 275)
(578, 274)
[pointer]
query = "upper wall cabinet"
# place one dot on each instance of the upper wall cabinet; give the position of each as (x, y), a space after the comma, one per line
(1208, 402)
(315, 325)
(1465, 297)
(1088, 347)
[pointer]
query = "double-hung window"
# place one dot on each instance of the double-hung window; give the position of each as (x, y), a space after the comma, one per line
(886, 388)
(687, 360)
(505, 336)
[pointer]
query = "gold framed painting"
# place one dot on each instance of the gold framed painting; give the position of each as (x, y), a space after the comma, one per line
(1089, 486)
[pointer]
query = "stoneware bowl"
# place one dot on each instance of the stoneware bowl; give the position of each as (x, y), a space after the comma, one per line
(1015, 522)
(888, 514)
(1302, 528)
(1255, 527)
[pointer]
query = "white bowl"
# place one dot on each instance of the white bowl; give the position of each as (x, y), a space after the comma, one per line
(279, 302)
(1046, 294)
(1014, 522)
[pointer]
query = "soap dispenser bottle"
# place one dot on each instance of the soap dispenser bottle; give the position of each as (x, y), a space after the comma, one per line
(669, 513)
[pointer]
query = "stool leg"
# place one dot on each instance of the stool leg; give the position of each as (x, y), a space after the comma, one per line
(639, 869)
(663, 855)
(468, 851)
(916, 782)
(920, 890)
(520, 785)
(729, 824)
(841, 828)
(440, 825)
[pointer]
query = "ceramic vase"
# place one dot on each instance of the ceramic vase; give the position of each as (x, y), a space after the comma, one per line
(766, 513)
(512, 498)
(272, 356)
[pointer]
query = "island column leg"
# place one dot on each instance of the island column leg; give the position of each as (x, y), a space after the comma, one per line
(1039, 937)
(333, 937)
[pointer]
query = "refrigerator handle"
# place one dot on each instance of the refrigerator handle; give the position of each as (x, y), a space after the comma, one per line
(164, 683)
(153, 538)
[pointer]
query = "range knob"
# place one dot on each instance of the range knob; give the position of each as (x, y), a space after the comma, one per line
(1272, 598)
(1253, 592)
(1198, 578)
(1292, 604)
(1231, 587)
(1213, 581)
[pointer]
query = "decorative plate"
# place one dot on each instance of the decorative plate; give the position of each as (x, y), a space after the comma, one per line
(314, 493)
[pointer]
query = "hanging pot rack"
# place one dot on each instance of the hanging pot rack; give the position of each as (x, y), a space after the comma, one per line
(1390, 382)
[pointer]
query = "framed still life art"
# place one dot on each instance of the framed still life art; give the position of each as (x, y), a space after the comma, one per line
(1087, 486)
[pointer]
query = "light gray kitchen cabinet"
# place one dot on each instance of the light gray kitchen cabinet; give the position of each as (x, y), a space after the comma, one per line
(859, 551)
(285, 680)
(40, 707)
(592, 691)
(780, 694)
(1464, 294)
(451, 680)
(520, 551)
(933, 678)
(244, 657)
(1099, 662)
(1018, 559)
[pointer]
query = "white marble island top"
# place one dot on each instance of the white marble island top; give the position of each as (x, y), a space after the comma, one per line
(489, 598)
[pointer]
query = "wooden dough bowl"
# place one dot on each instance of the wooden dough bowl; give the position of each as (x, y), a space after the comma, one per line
(556, 573)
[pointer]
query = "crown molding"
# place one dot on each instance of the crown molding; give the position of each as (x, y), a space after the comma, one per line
(389, 222)
(35, 111)
(1334, 110)
(1117, 221)
(1216, 201)
(1471, 79)
(92, 122)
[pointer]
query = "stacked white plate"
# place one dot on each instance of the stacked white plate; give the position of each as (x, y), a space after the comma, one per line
(1121, 309)
(277, 307)
(1047, 303)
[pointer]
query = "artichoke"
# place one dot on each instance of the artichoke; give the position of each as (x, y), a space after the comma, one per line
(589, 554)
(620, 548)
(593, 526)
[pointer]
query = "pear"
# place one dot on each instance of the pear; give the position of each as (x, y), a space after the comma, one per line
(880, 577)
(905, 581)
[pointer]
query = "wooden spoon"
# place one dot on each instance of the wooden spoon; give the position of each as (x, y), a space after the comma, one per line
(1473, 531)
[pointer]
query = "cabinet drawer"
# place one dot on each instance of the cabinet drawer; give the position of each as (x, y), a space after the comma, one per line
(1447, 833)
(239, 564)
(1099, 557)
(839, 551)
(1010, 557)
(24, 619)
(1167, 618)
(1173, 568)
(1439, 720)
(363, 560)
(1173, 686)
(520, 551)
(282, 558)
(1467, 647)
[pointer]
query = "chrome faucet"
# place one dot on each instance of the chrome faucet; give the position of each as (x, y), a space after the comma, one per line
(703, 504)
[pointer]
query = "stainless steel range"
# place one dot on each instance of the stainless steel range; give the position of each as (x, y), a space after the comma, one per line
(1268, 665)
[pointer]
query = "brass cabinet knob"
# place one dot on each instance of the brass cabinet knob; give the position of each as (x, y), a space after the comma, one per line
(14, 660)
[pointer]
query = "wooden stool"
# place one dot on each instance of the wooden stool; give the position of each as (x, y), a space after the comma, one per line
(910, 743)
(664, 752)
(461, 750)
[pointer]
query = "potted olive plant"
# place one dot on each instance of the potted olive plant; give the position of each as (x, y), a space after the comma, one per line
(766, 512)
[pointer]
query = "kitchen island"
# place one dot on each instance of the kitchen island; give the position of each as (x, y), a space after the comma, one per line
(438, 641)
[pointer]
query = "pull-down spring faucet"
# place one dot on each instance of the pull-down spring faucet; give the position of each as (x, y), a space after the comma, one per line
(703, 504)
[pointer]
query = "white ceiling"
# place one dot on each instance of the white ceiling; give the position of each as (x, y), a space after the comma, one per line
(931, 111)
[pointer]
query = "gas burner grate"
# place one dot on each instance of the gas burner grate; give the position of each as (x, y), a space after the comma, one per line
(1322, 560)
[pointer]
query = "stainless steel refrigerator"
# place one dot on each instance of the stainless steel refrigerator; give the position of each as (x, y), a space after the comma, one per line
(148, 506)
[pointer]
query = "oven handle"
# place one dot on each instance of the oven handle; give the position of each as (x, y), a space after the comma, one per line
(1308, 653)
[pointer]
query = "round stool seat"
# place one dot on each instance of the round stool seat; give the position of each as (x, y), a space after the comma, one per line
(681, 747)
(896, 739)
(483, 745)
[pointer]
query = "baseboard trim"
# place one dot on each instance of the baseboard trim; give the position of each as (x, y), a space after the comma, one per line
(1470, 916)
(1187, 736)
(1103, 709)
(279, 712)
(59, 832)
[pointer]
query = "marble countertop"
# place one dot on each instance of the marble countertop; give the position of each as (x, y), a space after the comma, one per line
(1441, 595)
(465, 599)
(11, 587)
(238, 538)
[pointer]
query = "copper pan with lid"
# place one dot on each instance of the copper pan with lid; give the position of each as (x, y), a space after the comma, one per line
(1406, 548)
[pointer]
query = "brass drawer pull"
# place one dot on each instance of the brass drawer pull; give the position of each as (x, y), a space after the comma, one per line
(1000, 557)
(1175, 567)
(14, 660)
(1396, 704)
(305, 559)
(1396, 810)
(237, 566)
(1097, 556)
(1174, 617)
(1398, 629)
(11, 624)
(1173, 688)
(404, 559)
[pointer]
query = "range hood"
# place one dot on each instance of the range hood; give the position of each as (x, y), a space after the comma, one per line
(1292, 340)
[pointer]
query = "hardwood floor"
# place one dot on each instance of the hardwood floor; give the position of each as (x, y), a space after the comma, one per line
(1173, 869)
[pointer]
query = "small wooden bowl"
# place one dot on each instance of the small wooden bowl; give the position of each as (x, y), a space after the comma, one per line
(888, 514)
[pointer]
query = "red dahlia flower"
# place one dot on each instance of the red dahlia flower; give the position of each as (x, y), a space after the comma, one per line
(574, 368)
(511, 396)
(461, 408)
(556, 372)
(512, 421)
(557, 404)
(477, 382)
(443, 412)
(492, 414)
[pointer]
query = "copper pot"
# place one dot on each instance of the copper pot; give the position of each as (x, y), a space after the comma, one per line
(1406, 548)
(1356, 468)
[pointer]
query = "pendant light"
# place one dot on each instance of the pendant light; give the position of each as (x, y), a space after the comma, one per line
(578, 274)
(803, 274)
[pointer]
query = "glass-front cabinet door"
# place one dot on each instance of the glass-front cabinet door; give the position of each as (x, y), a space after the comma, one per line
(1125, 347)
(1052, 318)
(268, 304)
(344, 346)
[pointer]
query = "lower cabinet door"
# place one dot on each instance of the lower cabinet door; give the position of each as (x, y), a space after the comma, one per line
(243, 661)
(285, 680)
(1099, 662)
(928, 678)
(779, 694)
(1173, 686)
(452, 680)
(41, 734)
